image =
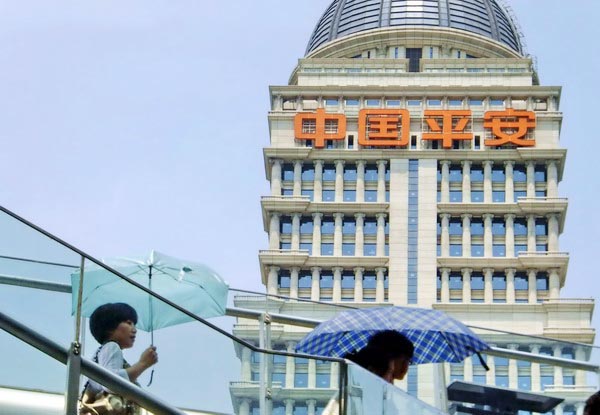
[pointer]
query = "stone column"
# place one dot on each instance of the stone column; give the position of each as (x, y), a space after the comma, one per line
(381, 181)
(513, 371)
(552, 179)
(466, 293)
(312, 406)
(318, 185)
(509, 185)
(290, 365)
(274, 235)
(294, 273)
(246, 364)
(312, 373)
(337, 284)
(488, 288)
(509, 238)
(468, 369)
(276, 177)
(531, 239)
(488, 238)
(360, 181)
(580, 375)
(445, 185)
(487, 181)
(466, 236)
(536, 378)
(445, 286)
(272, 280)
(334, 375)
(315, 291)
(337, 234)
(339, 181)
(244, 407)
(358, 284)
(360, 234)
(466, 181)
(532, 283)
(510, 285)
(380, 249)
(296, 231)
(316, 236)
(553, 232)
(558, 371)
(380, 286)
(289, 406)
(445, 239)
(490, 377)
(554, 283)
(530, 179)
(297, 178)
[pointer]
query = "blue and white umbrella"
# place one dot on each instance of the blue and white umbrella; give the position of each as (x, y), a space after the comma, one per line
(436, 336)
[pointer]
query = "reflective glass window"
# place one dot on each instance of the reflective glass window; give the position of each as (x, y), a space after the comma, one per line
(350, 173)
(499, 250)
(349, 195)
(328, 195)
(370, 226)
(327, 225)
(349, 226)
(306, 225)
(477, 196)
(370, 249)
(477, 250)
(328, 172)
(326, 249)
(308, 173)
(348, 249)
(287, 172)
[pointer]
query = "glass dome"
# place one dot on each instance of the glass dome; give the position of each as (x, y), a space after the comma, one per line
(484, 17)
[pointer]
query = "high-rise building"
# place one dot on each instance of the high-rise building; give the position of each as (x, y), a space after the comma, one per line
(415, 160)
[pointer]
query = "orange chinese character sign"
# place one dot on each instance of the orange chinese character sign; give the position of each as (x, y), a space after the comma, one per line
(509, 127)
(383, 127)
(319, 127)
(447, 126)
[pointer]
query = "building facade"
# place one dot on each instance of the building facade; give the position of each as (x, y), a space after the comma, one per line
(415, 160)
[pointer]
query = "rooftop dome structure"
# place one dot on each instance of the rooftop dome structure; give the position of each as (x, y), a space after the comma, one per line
(483, 17)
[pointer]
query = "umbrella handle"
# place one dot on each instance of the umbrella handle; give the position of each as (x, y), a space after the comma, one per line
(485, 366)
(152, 376)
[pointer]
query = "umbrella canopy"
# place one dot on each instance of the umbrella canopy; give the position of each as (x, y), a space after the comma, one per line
(191, 285)
(436, 336)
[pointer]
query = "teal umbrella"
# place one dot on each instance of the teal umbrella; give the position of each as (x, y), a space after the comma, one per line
(190, 285)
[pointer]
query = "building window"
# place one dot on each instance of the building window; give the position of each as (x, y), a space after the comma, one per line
(326, 249)
(370, 250)
(350, 173)
(349, 195)
(546, 380)
(477, 250)
(326, 280)
(498, 196)
(306, 226)
(348, 249)
(502, 381)
(369, 281)
(370, 195)
(455, 227)
(306, 246)
(456, 250)
(349, 227)
(542, 281)
(499, 250)
(328, 172)
(347, 280)
(498, 283)
(476, 196)
(283, 279)
(370, 226)
(327, 226)
(521, 282)
(308, 192)
(498, 227)
(455, 281)
(323, 380)
(477, 227)
(308, 173)
(304, 280)
(328, 195)
(456, 196)
(309, 126)
(279, 377)
(519, 173)
(524, 382)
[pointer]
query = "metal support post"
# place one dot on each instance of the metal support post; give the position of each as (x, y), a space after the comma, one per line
(73, 375)
(266, 360)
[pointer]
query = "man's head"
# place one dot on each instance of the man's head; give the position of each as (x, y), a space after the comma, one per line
(592, 405)
(106, 318)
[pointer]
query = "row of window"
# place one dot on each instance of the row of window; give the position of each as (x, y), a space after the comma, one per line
(350, 173)
(498, 173)
(477, 227)
(498, 250)
(498, 195)
(348, 248)
(328, 225)
(328, 195)
(348, 281)
(477, 280)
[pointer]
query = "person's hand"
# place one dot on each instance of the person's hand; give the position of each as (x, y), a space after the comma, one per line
(149, 357)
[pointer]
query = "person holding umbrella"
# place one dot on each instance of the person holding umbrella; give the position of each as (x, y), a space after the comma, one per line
(387, 354)
(113, 326)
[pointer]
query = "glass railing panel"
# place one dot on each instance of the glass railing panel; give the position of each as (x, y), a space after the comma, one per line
(368, 393)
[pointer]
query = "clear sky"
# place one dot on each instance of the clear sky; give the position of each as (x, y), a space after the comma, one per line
(135, 125)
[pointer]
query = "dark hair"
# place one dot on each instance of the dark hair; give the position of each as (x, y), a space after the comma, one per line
(106, 318)
(381, 348)
(592, 405)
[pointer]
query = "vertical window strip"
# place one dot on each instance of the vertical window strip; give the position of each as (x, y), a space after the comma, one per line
(413, 237)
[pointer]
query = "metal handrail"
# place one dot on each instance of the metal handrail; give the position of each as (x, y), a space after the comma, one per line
(89, 368)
